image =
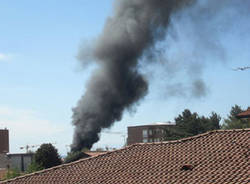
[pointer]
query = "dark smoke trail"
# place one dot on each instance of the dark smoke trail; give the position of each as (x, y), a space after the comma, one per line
(117, 85)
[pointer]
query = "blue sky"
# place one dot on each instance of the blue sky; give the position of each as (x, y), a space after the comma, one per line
(41, 79)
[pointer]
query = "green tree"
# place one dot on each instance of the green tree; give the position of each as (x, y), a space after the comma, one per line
(214, 121)
(47, 156)
(232, 122)
(12, 173)
(210, 123)
(33, 167)
(189, 124)
(174, 133)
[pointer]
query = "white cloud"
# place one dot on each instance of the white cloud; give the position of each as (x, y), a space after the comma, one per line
(5, 57)
(27, 127)
(4, 111)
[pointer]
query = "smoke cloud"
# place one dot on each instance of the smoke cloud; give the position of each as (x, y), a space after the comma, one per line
(129, 43)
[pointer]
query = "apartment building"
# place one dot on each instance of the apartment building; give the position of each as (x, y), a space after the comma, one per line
(147, 133)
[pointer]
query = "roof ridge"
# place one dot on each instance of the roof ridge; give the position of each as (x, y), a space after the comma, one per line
(196, 136)
(126, 147)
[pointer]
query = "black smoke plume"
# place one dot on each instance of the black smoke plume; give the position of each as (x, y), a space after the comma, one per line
(117, 85)
(129, 35)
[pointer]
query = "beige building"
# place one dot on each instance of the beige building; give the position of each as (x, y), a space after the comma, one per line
(147, 133)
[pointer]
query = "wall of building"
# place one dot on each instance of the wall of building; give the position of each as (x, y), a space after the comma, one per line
(20, 161)
(4, 164)
(4, 141)
(3, 173)
(147, 133)
(4, 161)
(134, 135)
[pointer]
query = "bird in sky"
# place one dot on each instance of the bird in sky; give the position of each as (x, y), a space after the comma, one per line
(241, 68)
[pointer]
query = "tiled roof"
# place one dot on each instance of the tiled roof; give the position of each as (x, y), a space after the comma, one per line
(245, 114)
(220, 157)
(95, 153)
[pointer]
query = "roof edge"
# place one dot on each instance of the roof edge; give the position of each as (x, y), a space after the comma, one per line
(63, 165)
(196, 136)
(132, 145)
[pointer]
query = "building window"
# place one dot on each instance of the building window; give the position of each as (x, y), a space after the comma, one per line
(144, 133)
(150, 140)
(145, 140)
(157, 140)
(150, 132)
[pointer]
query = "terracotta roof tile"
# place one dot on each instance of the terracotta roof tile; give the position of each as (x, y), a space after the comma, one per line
(95, 153)
(245, 114)
(215, 157)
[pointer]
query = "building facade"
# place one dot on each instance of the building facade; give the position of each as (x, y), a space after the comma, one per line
(20, 161)
(4, 141)
(4, 165)
(147, 133)
(4, 161)
(4, 149)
